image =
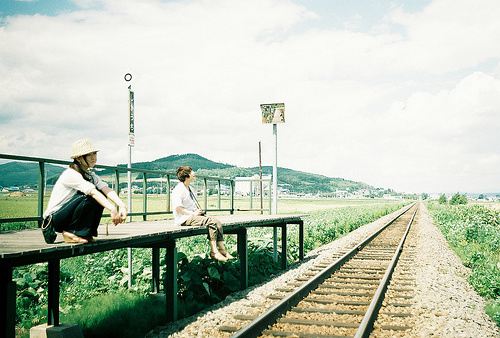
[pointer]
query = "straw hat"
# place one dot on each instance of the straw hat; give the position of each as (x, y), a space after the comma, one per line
(82, 147)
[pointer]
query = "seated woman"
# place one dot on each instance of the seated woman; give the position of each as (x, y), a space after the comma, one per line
(79, 197)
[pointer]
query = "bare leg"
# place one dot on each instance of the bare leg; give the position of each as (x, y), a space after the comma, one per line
(215, 254)
(223, 251)
(72, 238)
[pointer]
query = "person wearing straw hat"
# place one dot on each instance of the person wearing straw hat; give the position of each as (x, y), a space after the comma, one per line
(79, 197)
(187, 211)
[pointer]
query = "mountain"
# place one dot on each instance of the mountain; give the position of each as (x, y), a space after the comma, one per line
(21, 174)
(172, 162)
(26, 173)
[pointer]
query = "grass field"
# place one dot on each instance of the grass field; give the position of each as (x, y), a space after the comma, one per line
(27, 206)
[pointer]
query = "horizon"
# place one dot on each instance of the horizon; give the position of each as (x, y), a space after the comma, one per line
(402, 94)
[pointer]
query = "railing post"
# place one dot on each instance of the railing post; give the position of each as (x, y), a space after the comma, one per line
(242, 239)
(53, 292)
(270, 198)
(251, 199)
(7, 303)
(41, 188)
(301, 240)
(232, 197)
(218, 195)
(283, 246)
(205, 193)
(155, 267)
(144, 196)
(170, 281)
(117, 178)
(168, 193)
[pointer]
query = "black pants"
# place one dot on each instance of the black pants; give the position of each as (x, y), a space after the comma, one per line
(81, 216)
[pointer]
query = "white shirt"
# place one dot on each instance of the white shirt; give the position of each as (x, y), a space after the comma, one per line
(66, 187)
(181, 198)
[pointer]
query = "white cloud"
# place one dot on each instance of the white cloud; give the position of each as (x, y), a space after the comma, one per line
(393, 109)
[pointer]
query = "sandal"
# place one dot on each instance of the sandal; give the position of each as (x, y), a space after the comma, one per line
(218, 256)
(72, 238)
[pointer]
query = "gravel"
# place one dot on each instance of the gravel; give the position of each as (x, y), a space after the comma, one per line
(445, 305)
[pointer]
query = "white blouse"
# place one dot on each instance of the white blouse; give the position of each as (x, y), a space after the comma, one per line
(67, 186)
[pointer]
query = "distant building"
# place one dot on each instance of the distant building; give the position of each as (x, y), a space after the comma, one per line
(242, 185)
(341, 194)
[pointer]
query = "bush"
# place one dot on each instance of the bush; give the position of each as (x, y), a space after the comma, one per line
(442, 199)
(458, 199)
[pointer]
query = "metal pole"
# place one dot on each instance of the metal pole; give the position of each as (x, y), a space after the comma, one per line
(275, 191)
(275, 170)
(260, 185)
(251, 194)
(129, 175)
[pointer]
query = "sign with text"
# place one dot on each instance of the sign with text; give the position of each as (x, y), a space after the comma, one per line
(131, 119)
(273, 113)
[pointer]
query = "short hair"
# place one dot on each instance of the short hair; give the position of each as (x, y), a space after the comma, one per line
(183, 172)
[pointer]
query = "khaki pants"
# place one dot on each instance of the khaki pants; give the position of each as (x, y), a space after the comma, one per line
(214, 226)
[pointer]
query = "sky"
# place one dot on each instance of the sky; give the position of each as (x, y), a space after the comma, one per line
(397, 94)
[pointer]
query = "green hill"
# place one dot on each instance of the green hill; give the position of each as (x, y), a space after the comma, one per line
(172, 162)
(26, 174)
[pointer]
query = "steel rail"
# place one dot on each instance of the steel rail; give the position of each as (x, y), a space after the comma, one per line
(366, 325)
(269, 317)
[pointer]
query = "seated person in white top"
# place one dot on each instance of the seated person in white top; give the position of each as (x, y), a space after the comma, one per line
(79, 197)
(187, 212)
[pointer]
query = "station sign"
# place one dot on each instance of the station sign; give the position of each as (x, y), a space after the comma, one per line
(273, 113)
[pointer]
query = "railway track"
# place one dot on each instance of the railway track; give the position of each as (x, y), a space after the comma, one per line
(365, 291)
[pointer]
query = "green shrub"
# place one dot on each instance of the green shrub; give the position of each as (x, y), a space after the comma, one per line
(458, 199)
(119, 314)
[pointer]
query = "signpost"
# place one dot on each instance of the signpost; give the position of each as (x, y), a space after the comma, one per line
(131, 143)
(274, 113)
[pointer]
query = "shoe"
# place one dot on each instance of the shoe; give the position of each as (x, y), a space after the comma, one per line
(72, 238)
(218, 256)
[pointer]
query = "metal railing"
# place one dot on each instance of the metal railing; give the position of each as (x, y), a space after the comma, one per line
(257, 189)
(115, 172)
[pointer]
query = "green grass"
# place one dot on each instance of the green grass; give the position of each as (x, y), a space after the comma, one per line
(107, 315)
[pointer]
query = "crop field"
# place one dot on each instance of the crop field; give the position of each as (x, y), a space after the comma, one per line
(26, 206)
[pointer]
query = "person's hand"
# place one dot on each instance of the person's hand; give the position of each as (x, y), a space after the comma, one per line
(199, 212)
(123, 213)
(115, 216)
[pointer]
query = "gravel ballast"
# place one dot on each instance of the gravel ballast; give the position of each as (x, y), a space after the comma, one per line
(445, 304)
